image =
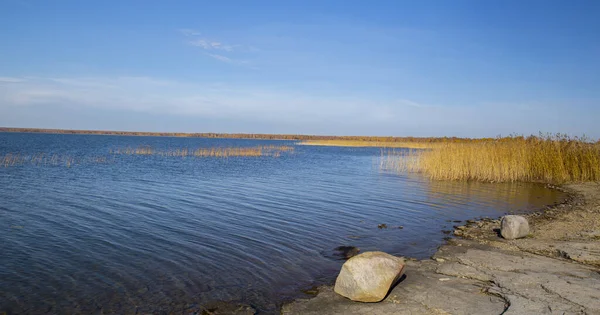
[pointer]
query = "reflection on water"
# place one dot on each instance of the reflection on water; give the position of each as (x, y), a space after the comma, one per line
(505, 197)
(149, 233)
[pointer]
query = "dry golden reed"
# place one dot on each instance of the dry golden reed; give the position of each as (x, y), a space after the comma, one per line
(550, 159)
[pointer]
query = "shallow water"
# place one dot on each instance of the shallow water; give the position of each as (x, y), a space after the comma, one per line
(154, 233)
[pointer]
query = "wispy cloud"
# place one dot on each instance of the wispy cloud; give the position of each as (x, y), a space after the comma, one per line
(153, 95)
(410, 103)
(259, 104)
(227, 59)
(11, 80)
(189, 32)
(211, 45)
(208, 44)
(216, 49)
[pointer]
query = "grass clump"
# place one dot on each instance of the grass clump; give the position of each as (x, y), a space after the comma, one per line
(38, 159)
(550, 159)
(216, 152)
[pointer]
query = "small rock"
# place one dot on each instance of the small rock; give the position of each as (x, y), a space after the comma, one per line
(222, 308)
(513, 227)
(401, 227)
(368, 277)
(382, 226)
(311, 291)
(346, 252)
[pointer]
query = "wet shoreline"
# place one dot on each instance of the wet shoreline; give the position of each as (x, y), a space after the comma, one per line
(463, 262)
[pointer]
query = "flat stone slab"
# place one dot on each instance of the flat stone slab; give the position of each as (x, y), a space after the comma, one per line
(469, 278)
(422, 291)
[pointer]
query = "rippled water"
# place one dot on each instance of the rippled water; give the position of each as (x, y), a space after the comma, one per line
(151, 233)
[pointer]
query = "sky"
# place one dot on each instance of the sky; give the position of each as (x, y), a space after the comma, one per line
(389, 68)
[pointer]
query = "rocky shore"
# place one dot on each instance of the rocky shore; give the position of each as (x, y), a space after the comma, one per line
(555, 270)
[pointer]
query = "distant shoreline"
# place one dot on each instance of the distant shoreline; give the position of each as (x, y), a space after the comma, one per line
(368, 144)
(299, 137)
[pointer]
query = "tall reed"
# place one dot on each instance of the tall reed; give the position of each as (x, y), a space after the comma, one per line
(549, 159)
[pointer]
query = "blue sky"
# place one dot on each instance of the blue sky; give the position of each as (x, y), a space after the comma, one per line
(405, 68)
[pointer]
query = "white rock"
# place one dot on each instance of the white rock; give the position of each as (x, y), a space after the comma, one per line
(369, 276)
(514, 226)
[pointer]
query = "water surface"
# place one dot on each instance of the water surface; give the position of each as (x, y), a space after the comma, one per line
(152, 233)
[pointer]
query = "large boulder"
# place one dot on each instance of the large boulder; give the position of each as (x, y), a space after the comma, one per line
(514, 226)
(369, 276)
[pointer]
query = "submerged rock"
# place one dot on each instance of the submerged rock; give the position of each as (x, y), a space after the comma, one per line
(346, 252)
(222, 308)
(513, 227)
(368, 277)
(382, 226)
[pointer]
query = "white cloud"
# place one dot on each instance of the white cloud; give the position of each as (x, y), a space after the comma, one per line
(152, 95)
(220, 57)
(410, 103)
(211, 45)
(189, 32)
(227, 59)
(205, 43)
(260, 105)
(11, 80)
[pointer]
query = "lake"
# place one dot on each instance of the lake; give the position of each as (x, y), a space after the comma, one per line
(90, 225)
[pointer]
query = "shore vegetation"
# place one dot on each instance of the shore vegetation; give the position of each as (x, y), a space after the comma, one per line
(356, 140)
(44, 159)
(553, 159)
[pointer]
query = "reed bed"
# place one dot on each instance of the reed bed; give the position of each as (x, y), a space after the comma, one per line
(42, 159)
(550, 159)
(365, 143)
(140, 150)
(217, 152)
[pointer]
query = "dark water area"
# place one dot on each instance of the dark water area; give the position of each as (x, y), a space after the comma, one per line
(126, 233)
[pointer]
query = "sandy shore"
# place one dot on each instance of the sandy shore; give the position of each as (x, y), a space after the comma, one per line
(554, 271)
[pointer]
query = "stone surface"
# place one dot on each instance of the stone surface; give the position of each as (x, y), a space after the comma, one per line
(476, 279)
(555, 272)
(420, 292)
(513, 227)
(368, 277)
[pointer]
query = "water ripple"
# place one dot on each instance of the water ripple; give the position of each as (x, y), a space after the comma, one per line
(161, 234)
